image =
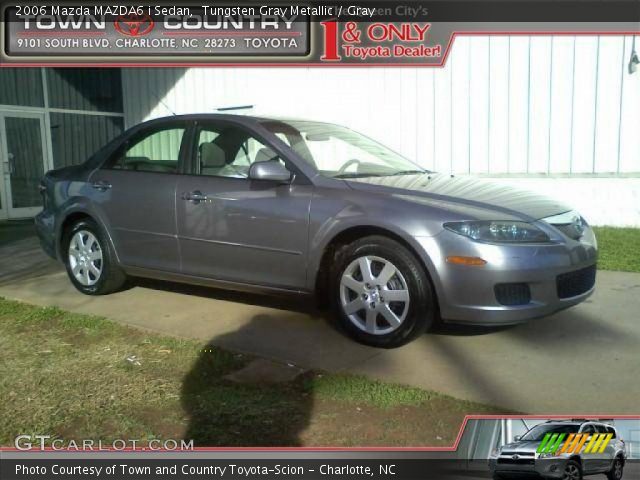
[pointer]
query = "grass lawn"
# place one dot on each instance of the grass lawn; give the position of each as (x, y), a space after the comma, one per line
(619, 248)
(74, 376)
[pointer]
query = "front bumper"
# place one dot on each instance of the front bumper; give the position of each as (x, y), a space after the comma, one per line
(552, 467)
(467, 294)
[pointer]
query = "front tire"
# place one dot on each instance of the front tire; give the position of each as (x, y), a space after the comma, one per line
(90, 261)
(380, 292)
(572, 471)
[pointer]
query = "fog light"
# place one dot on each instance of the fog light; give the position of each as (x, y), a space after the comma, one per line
(553, 468)
(469, 261)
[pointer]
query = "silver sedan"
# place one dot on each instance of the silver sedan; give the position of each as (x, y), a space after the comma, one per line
(310, 208)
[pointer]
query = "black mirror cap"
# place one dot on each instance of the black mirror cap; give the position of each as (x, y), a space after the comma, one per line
(271, 170)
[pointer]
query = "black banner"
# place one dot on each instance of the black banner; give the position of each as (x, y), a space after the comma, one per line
(359, 466)
(368, 11)
(225, 469)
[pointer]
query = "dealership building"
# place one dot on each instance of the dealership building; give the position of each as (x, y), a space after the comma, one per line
(555, 114)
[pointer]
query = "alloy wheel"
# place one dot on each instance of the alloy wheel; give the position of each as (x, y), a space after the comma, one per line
(571, 472)
(617, 469)
(85, 258)
(374, 295)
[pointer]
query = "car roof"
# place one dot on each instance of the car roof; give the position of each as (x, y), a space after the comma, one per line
(563, 422)
(246, 120)
(229, 116)
(576, 422)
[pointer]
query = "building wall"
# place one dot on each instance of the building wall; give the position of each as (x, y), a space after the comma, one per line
(78, 110)
(82, 107)
(547, 106)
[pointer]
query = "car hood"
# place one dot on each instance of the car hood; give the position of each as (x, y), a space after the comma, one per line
(473, 192)
(523, 446)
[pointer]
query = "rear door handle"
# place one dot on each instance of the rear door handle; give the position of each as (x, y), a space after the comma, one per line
(101, 185)
(195, 197)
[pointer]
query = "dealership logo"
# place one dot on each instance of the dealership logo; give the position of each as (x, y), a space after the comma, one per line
(555, 443)
(134, 25)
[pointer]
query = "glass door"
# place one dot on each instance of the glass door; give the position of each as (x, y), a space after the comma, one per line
(23, 161)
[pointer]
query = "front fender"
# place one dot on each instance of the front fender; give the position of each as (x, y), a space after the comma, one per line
(330, 218)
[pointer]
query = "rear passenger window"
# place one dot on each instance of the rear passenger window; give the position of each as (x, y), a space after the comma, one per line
(156, 152)
(612, 431)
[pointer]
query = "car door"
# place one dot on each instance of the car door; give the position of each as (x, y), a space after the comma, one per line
(606, 452)
(589, 460)
(135, 190)
(235, 229)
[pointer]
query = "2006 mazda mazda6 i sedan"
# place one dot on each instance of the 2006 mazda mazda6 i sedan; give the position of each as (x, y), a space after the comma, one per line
(277, 205)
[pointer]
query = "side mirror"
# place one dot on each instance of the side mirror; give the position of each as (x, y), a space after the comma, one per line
(271, 170)
(517, 438)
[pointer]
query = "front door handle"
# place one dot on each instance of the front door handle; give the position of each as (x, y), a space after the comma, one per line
(101, 185)
(195, 197)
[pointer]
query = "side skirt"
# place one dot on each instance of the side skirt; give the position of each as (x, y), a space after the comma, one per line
(213, 283)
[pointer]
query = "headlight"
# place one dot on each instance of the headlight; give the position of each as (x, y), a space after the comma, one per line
(499, 231)
(546, 455)
(496, 452)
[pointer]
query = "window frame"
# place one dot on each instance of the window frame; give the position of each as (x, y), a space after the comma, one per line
(191, 163)
(146, 131)
(590, 426)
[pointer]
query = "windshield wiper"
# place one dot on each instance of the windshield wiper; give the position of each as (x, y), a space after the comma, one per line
(357, 175)
(408, 172)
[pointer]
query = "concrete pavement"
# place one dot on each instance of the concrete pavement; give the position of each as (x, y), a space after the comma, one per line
(584, 360)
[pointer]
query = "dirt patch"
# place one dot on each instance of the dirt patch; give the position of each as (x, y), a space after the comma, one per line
(261, 371)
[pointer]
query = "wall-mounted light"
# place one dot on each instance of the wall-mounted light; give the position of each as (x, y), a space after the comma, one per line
(634, 61)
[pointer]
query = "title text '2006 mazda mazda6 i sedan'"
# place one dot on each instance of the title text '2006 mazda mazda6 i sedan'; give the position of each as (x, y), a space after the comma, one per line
(273, 205)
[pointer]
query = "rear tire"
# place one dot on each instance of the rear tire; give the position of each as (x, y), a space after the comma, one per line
(617, 469)
(380, 293)
(90, 261)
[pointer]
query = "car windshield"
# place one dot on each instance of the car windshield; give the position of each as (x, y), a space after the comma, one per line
(537, 433)
(339, 152)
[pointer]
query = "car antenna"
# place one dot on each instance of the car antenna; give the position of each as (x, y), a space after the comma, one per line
(163, 103)
(239, 107)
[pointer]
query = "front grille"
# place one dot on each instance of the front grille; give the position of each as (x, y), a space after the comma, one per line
(512, 294)
(576, 283)
(516, 461)
(522, 454)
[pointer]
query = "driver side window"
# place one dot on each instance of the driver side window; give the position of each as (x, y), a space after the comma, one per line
(229, 151)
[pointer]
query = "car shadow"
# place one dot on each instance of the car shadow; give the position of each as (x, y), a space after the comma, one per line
(461, 330)
(575, 326)
(300, 304)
